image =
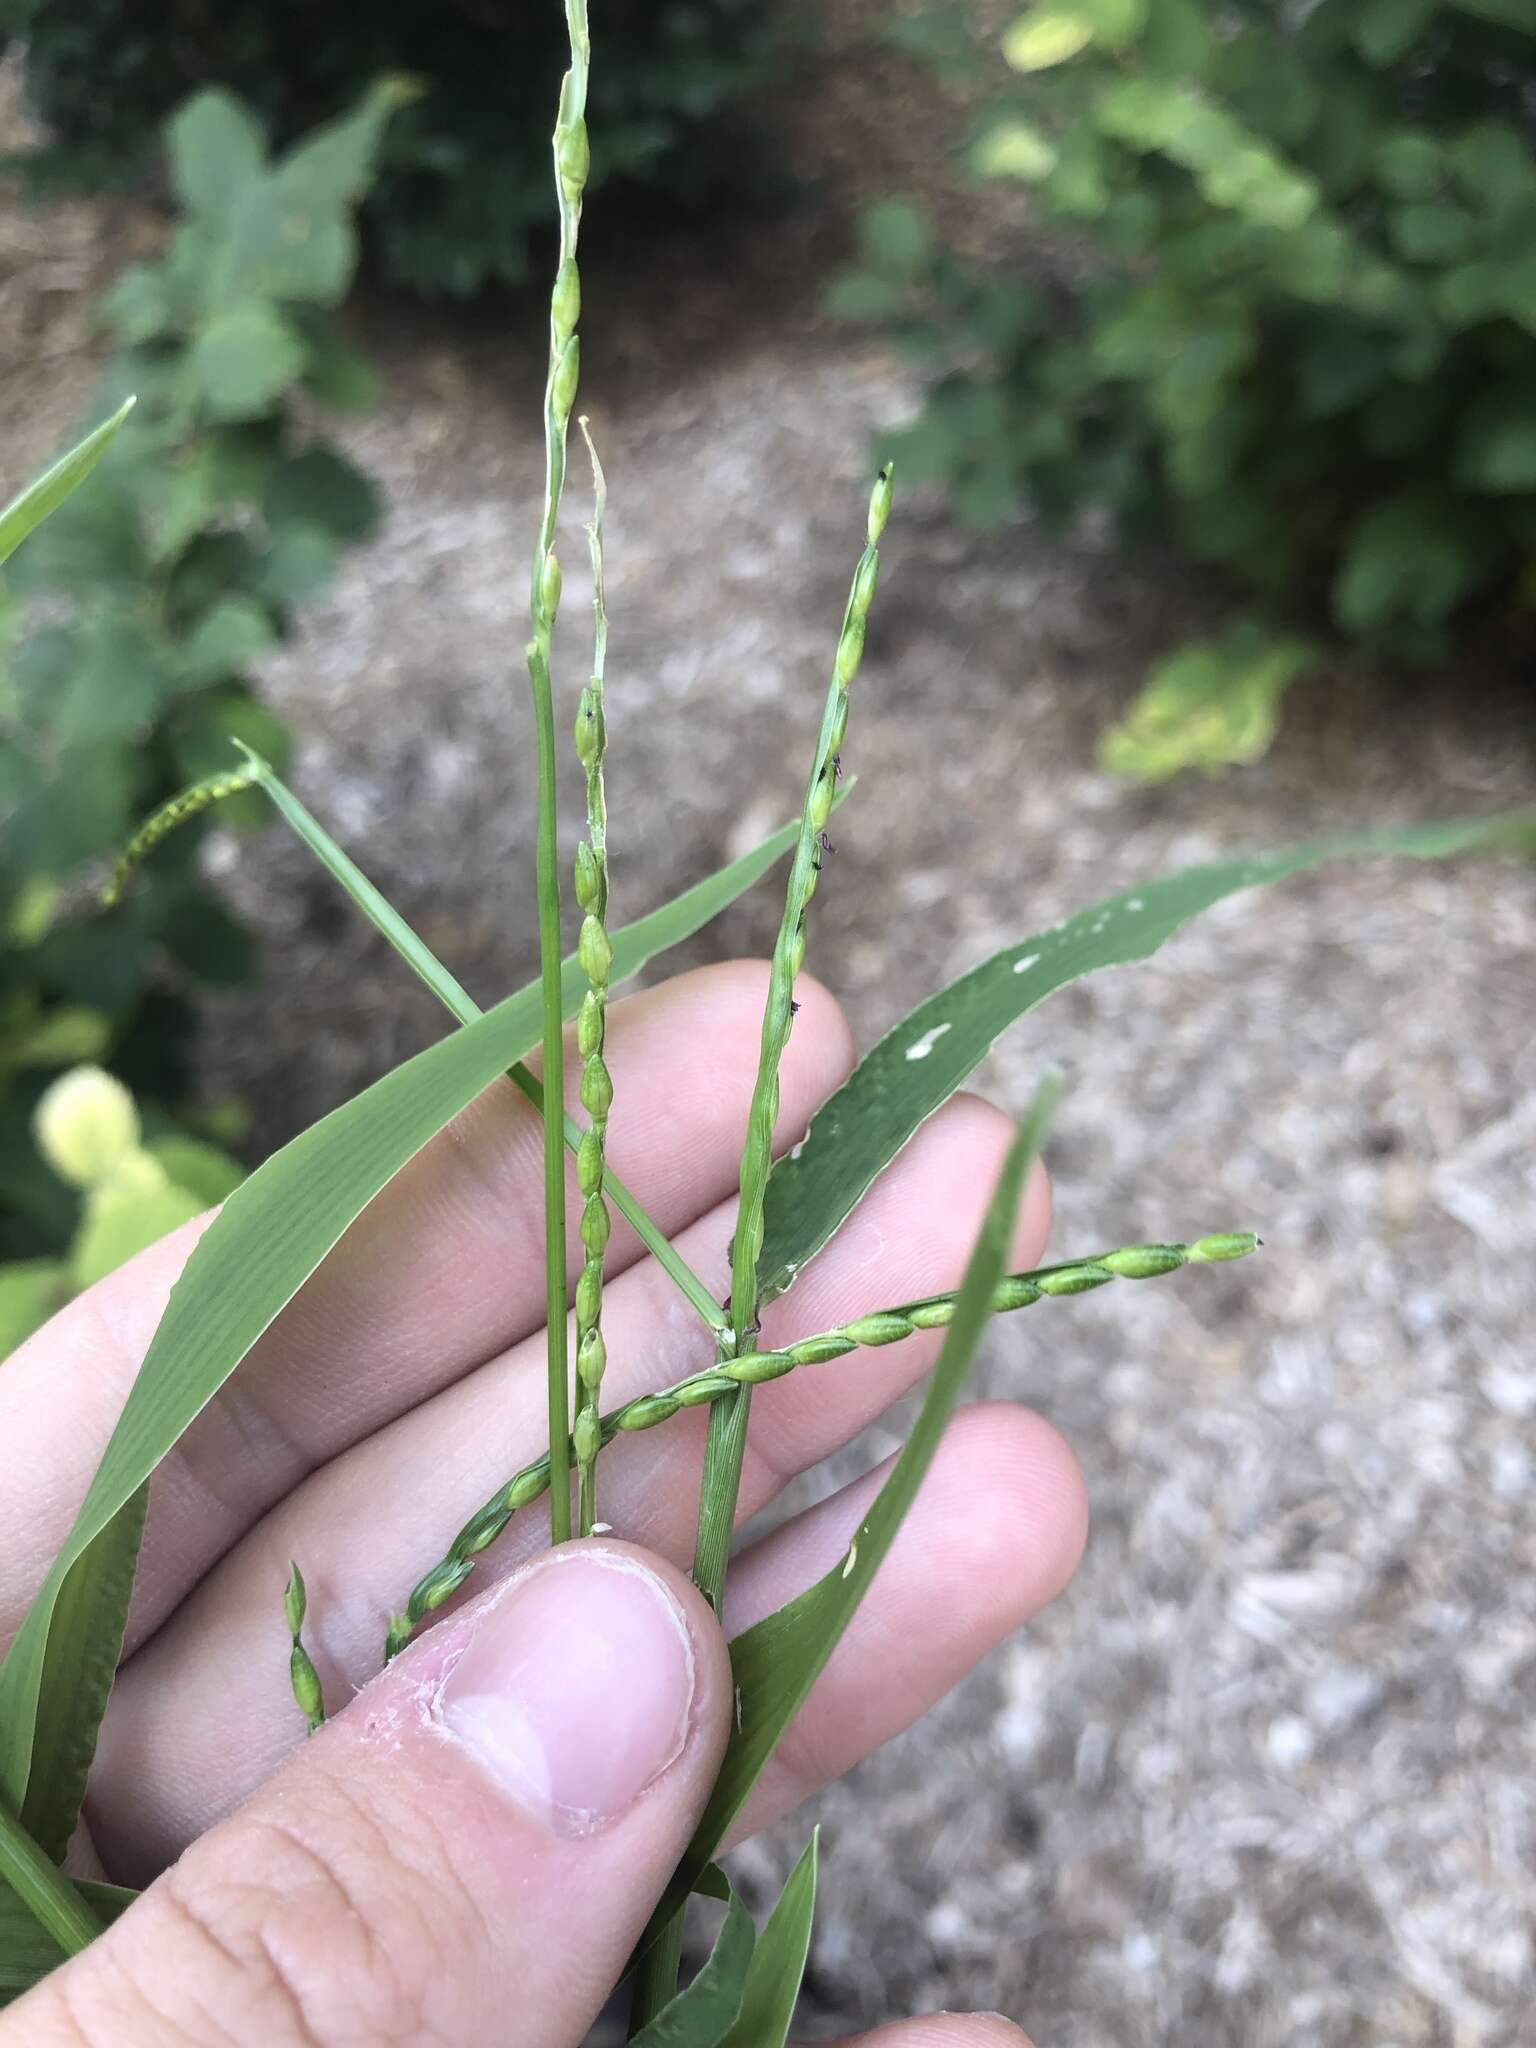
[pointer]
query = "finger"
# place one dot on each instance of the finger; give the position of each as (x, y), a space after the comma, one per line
(940, 2030)
(438, 1274)
(483, 1833)
(995, 1534)
(201, 1714)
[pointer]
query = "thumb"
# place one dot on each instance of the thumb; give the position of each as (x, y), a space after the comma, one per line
(467, 1853)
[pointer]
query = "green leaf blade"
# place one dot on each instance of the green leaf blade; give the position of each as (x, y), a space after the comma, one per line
(48, 492)
(704, 2011)
(920, 1063)
(777, 1968)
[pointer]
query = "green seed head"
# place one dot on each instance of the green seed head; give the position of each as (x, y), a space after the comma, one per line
(596, 1089)
(1015, 1293)
(550, 583)
(594, 952)
(401, 1629)
(589, 1163)
(589, 1025)
(795, 957)
(839, 724)
(566, 378)
(821, 797)
(565, 302)
(483, 1531)
(709, 1386)
(592, 1360)
(761, 1366)
(864, 583)
(880, 503)
(1226, 1244)
(1143, 1261)
(295, 1600)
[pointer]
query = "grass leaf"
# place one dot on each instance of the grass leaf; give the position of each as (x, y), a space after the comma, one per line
(705, 2011)
(266, 1242)
(778, 1660)
(28, 1951)
(49, 491)
(777, 1968)
(919, 1064)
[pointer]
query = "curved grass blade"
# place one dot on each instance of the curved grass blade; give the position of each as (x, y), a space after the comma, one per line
(266, 1242)
(386, 920)
(778, 1660)
(43, 1889)
(705, 2011)
(28, 1951)
(777, 1969)
(48, 492)
(919, 1064)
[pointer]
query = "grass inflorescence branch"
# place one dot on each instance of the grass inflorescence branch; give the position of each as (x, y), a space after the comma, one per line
(571, 160)
(596, 955)
(305, 1678)
(728, 1424)
(729, 1375)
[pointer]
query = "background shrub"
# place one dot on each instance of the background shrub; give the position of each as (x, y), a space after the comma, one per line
(1293, 330)
(464, 179)
(132, 617)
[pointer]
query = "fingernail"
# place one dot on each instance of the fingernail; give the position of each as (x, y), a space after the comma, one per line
(576, 1688)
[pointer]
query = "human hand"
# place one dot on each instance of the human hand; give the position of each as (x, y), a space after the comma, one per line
(470, 1848)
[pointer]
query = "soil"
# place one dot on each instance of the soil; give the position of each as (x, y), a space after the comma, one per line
(1265, 1773)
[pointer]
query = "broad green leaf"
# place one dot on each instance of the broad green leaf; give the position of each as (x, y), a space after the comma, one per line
(777, 1968)
(269, 1238)
(217, 149)
(50, 490)
(28, 1951)
(917, 1066)
(1497, 448)
(321, 488)
(1046, 37)
(1208, 705)
(1509, 13)
(703, 2013)
(1015, 149)
(243, 359)
(777, 1661)
(117, 1227)
(199, 1169)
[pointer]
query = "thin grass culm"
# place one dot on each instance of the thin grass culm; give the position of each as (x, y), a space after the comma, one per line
(595, 953)
(572, 158)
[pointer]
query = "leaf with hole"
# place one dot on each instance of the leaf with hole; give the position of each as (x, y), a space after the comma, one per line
(919, 1064)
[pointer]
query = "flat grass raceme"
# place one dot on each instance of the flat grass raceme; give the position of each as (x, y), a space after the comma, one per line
(280, 1226)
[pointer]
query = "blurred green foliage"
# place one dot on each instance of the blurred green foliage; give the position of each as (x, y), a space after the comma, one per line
(1286, 319)
(464, 180)
(130, 619)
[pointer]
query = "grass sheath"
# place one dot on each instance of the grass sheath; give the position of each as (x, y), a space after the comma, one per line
(571, 161)
(596, 956)
(729, 1375)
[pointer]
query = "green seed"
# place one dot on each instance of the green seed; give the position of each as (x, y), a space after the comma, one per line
(708, 1386)
(586, 1436)
(550, 582)
(401, 1629)
(528, 1487)
(885, 1328)
(573, 158)
(596, 1089)
(482, 1532)
(595, 952)
(880, 502)
(306, 1686)
(819, 1350)
(441, 1585)
(592, 1360)
(935, 1315)
(1015, 1292)
(1144, 1261)
(295, 1600)
(591, 733)
(589, 1163)
(850, 651)
(565, 301)
(596, 1226)
(589, 878)
(589, 1025)
(589, 1296)
(1074, 1279)
(566, 378)
(821, 798)
(649, 1410)
(1223, 1245)
(864, 583)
